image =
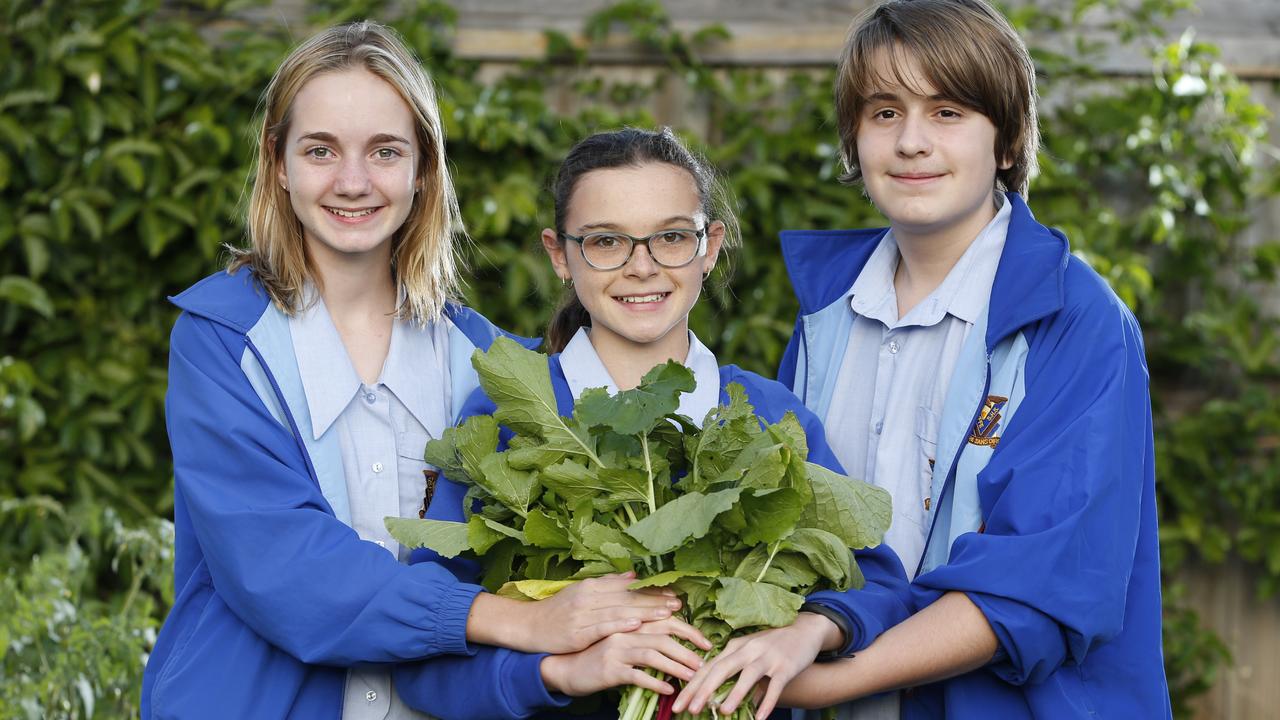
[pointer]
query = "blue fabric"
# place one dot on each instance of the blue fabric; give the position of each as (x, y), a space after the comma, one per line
(500, 683)
(1065, 564)
(275, 597)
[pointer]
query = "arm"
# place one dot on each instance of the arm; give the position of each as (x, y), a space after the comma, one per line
(948, 638)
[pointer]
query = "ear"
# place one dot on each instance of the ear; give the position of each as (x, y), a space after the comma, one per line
(282, 177)
(715, 240)
(555, 250)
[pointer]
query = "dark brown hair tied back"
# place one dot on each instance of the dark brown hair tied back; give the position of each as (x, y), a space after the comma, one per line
(630, 147)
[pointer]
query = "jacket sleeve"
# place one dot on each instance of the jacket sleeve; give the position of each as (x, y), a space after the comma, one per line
(885, 599)
(276, 555)
(492, 682)
(1061, 497)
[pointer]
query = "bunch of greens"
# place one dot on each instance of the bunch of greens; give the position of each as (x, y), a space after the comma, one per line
(729, 515)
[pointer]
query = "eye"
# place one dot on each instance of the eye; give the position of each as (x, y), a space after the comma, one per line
(604, 241)
(387, 153)
(885, 114)
(675, 237)
(320, 152)
(949, 113)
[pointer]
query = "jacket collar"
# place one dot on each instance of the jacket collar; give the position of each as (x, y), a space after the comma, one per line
(237, 300)
(823, 265)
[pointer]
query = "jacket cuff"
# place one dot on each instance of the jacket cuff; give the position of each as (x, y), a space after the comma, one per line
(1030, 645)
(449, 611)
(835, 607)
(527, 694)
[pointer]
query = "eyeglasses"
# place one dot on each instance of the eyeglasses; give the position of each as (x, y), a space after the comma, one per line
(673, 248)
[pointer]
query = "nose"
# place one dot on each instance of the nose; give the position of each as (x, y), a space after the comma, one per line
(353, 178)
(641, 264)
(913, 136)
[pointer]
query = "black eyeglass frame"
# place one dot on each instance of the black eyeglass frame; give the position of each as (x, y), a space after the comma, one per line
(700, 233)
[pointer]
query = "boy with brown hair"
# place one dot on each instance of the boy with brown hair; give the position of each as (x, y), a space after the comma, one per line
(966, 361)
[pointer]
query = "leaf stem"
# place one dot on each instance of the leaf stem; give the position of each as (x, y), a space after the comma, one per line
(648, 469)
(769, 562)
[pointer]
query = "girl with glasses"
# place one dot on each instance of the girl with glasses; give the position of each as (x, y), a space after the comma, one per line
(640, 223)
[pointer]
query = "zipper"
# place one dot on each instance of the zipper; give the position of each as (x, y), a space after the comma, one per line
(951, 471)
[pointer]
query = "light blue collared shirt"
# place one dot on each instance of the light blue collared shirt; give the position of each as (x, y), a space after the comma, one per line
(883, 419)
(382, 430)
(583, 369)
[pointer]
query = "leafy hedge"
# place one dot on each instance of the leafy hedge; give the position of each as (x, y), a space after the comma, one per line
(123, 155)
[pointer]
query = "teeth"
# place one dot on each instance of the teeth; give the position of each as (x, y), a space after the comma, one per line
(350, 214)
(643, 298)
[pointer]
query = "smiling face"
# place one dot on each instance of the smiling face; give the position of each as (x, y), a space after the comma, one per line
(349, 165)
(928, 163)
(641, 306)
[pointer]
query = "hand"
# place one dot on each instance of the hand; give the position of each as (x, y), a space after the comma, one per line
(775, 656)
(619, 659)
(572, 619)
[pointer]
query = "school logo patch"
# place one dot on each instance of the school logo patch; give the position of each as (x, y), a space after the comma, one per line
(988, 422)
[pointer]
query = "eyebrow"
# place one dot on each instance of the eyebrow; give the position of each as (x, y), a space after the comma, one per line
(614, 226)
(894, 97)
(380, 138)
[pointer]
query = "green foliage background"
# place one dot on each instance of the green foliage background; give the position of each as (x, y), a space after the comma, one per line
(124, 148)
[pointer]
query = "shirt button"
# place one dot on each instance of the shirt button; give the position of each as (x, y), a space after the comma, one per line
(371, 696)
(377, 467)
(879, 427)
(371, 399)
(894, 347)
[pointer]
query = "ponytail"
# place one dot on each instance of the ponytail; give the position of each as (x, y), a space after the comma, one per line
(569, 316)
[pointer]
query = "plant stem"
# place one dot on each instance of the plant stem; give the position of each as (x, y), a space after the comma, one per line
(769, 562)
(648, 469)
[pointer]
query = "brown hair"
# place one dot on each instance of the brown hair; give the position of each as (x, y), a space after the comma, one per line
(423, 255)
(965, 49)
(631, 147)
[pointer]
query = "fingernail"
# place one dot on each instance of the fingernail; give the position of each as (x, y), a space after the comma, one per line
(673, 604)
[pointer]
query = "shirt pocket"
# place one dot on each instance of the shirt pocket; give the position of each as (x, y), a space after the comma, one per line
(926, 458)
(417, 478)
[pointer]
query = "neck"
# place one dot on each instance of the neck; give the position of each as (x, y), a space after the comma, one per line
(356, 285)
(926, 257)
(627, 362)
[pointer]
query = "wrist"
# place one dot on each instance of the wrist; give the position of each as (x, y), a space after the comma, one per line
(501, 622)
(836, 634)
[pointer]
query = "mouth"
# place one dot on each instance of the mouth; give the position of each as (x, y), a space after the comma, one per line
(650, 299)
(351, 214)
(915, 178)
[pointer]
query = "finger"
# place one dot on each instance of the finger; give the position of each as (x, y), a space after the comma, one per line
(643, 679)
(705, 683)
(663, 591)
(719, 675)
(681, 654)
(659, 661)
(676, 627)
(772, 692)
(746, 683)
(591, 634)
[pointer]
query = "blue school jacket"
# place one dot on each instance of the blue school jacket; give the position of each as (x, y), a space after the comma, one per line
(501, 683)
(276, 596)
(1044, 494)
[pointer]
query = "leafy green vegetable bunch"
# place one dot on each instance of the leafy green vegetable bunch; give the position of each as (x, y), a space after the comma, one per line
(729, 515)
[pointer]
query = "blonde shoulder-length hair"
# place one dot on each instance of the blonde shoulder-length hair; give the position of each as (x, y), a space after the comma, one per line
(424, 260)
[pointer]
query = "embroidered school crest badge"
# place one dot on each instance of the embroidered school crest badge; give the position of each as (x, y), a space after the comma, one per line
(988, 422)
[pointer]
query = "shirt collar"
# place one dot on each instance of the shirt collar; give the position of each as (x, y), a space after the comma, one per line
(964, 292)
(414, 371)
(583, 369)
(328, 378)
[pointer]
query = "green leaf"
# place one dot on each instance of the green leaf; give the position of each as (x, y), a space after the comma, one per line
(826, 553)
(515, 489)
(636, 411)
(449, 539)
(743, 604)
(519, 383)
(25, 293)
(572, 481)
(699, 555)
(533, 589)
(533, 458)
(473, 441)
(481, 537)
(544, 531)
(854, 511)
(770, 514)
(664, 579)
(688, 516)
